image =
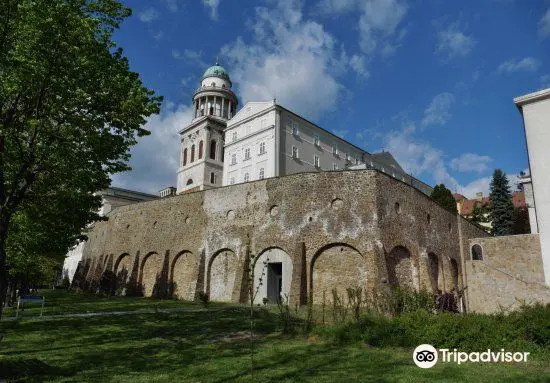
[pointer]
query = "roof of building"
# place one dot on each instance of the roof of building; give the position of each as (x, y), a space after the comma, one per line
(387, 159)
(216, 71)
(467, 205)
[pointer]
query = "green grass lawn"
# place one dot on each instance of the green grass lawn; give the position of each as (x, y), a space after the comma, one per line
(194, 345)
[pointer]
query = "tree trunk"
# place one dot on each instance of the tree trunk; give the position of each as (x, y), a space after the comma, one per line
(3, 268)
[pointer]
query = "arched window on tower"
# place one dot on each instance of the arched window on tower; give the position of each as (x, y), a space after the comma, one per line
(184, 157)
(213, 146)
(192, 153)
(223, 86)
(213, 84)
(211, 110)
(200, 149)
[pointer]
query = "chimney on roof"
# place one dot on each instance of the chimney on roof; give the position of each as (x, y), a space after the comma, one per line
(479, 196)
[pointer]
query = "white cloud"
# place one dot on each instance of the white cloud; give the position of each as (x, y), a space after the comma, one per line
(528, 64)
(438, 112)
(452, 42)
(194, 57)
(378, 22)
(148, 15)
(544, 25)
(213, 5)
(172, 5)
(357, 63)
(479, 185)
(290, 58)
(471, 162)
(155, 158)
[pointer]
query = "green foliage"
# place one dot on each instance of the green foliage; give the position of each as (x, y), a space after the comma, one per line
(521, 223)
(501, 207)
(526, 330)
(480, 213)
(70, 109)
(444, 197)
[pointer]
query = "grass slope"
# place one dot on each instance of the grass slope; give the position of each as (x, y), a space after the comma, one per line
(194, 345)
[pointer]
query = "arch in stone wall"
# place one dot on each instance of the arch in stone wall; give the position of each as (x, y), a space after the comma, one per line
(433, 271)
(400, 268)
(222, 272)
(151, 267)
(336, 266)
(184, 273)
(122, 270)
(274, 266)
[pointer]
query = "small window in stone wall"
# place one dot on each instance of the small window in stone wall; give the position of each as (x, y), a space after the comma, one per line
(429, 219)
(397, 208)
(336, 203)
(477, 253)
(230, 214)
(187, 220)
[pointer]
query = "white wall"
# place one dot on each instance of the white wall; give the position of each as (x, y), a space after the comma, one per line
(536, 117)
(251, 133)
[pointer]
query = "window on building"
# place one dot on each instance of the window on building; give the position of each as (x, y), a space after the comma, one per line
(213, 84)
(294, 152)
(247, 154)
(211, 110)
(316, 141)
(201, 144)
(334, 150)
(316, 161)
(262, 147)
(212, 178)
(233, 159)
(232, 181)
(189, 181)
(213, 147)
(477, 253)
(246, 177)
(234, 136)
(192, 153)
(223, 86)
(184, 156)
(261, 174)
(334, 166)
(295, 130)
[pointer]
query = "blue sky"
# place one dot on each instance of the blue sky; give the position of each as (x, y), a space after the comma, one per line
(431, 81)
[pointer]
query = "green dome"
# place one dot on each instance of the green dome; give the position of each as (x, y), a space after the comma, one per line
(216, 71)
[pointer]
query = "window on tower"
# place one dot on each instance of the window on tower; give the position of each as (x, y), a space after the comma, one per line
(213, 146)
(184, 157)
(192, 153)
(201, 144)
(212, 178)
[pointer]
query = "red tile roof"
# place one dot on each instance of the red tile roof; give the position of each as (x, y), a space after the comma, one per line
(467, 205)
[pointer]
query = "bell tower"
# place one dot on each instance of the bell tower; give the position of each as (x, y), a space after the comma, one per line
(201, 142)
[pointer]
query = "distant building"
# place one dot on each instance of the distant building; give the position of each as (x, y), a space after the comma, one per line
(465, 206)
(111, 198)
(221, 146)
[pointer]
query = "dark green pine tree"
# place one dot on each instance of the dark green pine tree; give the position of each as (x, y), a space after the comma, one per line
(501, 207)
(444, 197)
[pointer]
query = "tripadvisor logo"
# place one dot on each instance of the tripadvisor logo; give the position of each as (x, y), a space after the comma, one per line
(426, 356)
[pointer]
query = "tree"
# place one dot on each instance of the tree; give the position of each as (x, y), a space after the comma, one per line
(501, 207)
(444, 197)
(480, 213)
(70, 108)
(521, 223)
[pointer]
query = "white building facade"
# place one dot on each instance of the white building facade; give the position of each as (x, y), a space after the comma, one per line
(111, 198)
(535, 109)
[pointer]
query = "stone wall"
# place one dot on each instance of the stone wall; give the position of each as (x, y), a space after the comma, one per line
(338, 229)
(509, 273)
